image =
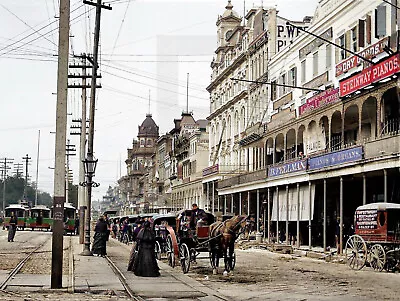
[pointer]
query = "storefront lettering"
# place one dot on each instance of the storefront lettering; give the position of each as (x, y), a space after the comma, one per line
(368, 76)
(287, 168)
(322, 99)
(344, 156)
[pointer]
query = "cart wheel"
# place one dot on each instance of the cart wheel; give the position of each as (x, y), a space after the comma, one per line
(356, 252)
(158, 250)
(391, 261)
(184, 256)
(378, 257)
(170, 252)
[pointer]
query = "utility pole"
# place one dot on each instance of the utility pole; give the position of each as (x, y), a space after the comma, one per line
(26, 158)
(18, 169)
(61, 131)
(69, 152)
(82, 127)
(4, 168)
(90, 153)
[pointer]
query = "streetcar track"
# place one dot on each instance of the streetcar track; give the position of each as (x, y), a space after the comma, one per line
(123, 281)
(19, 266)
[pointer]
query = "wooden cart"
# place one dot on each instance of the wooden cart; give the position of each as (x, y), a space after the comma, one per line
(377, 237)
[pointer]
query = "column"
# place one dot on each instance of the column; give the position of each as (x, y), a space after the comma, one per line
(213, 200)
(208, 196)
(340, 251)
(277, 214)
(218, 203)
(268, 215)
(240, 204)
(225, 204)
(274, 152)
(248, 203)
(364, 189)
(324, 237)
(385, 185)
(232, 204)
(309, 217)
(258, 211)
(298, 216)
(287, 214)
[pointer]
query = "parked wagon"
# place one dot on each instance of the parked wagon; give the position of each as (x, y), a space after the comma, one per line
(377, 237)
(18, 210)
(39, 218)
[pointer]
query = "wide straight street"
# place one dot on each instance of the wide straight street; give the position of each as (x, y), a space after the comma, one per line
(259, 275)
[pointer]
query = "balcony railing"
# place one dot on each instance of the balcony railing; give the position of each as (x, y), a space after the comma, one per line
(391, 127)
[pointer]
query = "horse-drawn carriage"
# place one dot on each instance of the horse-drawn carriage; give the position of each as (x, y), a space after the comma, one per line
(164, 225)
(215, 238)
(377, 237)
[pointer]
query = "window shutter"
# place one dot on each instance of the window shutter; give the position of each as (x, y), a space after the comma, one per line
(337, 53)
(348, 42)
(368, 29)
(380, 22)
(361, 33)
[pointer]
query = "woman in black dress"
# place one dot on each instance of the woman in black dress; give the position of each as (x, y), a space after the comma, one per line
(145, 263)
(100, 237)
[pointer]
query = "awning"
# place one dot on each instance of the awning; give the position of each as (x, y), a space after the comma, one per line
(304, 204)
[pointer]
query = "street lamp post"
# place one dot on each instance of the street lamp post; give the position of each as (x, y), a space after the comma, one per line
(90, 164)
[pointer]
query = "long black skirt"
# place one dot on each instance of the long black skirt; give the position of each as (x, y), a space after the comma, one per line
(99, 243)
(145, 263)
(11, 232)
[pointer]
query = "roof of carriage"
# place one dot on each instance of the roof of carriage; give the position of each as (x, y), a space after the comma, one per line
(16, 206)
(379, 206)
(40, 207)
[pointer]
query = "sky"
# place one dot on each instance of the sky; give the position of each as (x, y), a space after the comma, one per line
(149, 51)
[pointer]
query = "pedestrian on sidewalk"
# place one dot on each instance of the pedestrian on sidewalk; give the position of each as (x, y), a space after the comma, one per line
(145, 263)
(12, 227)
(100, 237)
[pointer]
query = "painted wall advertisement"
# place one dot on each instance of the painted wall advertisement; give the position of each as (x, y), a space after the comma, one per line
(370, 75)
(336, 158)
(321, 99)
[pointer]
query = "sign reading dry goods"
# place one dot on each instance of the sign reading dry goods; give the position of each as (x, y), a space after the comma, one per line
(366, 219)
(370, 75)
(367, 53)
(321, 99)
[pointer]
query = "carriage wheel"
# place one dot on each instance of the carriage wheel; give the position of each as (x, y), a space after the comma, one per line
(184, 256)
(158, 250)
(170, 252)
(378, 257)
(391, 261)
(356, 252)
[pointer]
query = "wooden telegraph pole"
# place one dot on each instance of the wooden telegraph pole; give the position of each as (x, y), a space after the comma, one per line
(90, 151)
(61, 132)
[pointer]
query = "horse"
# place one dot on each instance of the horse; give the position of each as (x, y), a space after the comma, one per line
(222, 236)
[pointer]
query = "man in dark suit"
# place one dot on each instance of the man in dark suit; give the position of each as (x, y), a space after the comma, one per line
(198, 217)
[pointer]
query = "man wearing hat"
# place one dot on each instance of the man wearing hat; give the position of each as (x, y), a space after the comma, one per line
(198, 217)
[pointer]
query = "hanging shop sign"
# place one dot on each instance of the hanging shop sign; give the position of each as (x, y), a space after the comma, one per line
(210, 170)
(321, 99)
(287, 168)
(370, 75)
(368, 53)
(336, 158)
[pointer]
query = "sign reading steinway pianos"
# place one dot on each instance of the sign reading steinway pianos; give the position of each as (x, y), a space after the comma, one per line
(370, 75)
